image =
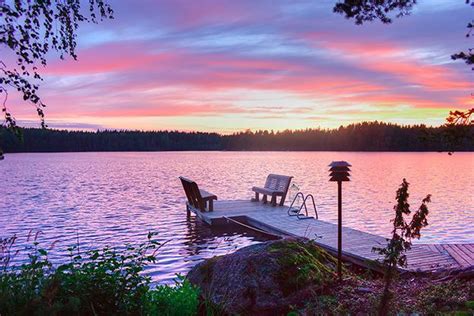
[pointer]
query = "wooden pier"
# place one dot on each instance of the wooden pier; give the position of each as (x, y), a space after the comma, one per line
(356, 245)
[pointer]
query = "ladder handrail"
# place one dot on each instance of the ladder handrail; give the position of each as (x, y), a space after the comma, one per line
(302, 205)
(305, 207)
(293, 202)
(314, 205)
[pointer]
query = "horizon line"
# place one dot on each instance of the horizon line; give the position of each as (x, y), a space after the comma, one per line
(244, 130)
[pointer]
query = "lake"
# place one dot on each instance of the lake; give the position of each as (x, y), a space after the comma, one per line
(116, 198)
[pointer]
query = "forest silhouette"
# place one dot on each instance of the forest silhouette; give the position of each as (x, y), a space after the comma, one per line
(367, 136)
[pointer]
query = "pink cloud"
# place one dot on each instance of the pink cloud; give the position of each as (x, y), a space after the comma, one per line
(391, 59)
(107, 58)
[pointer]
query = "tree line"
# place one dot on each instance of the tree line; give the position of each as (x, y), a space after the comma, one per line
(367, 136)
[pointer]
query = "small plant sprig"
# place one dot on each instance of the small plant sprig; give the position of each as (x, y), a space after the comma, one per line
(6, 251)
(394, 254)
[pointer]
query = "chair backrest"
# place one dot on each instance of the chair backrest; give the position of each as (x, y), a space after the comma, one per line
(278, 182)
(193, 195)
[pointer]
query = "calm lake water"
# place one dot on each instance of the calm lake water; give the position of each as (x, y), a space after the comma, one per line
(116, 198)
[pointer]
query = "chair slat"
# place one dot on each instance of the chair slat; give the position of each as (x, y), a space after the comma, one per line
(275, 185)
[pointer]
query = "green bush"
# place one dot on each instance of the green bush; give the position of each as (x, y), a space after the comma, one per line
(97, 282)
(182, 299)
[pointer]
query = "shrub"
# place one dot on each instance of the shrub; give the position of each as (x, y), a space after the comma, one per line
(403, 233)
(97, 282)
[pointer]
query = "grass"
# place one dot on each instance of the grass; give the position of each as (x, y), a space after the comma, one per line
(447, 297)
(304, 264)
(179, 300)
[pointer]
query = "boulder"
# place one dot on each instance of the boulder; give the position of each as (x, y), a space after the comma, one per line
(267, 278)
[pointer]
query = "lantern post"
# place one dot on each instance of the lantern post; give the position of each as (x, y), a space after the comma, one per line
(339, 172)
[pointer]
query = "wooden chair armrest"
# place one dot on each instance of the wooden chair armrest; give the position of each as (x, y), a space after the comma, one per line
(267, 191)
(207, 195)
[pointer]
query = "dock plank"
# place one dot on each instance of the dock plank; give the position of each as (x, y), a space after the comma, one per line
(457, 255)
(464, 251)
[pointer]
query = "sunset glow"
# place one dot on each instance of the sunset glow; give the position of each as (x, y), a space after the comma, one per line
(227, 66)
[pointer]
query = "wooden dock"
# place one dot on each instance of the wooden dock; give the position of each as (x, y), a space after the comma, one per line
(356, 245)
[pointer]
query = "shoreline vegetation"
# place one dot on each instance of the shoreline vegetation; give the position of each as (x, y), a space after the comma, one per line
(105, 281)
(367, 136)
(282, 277)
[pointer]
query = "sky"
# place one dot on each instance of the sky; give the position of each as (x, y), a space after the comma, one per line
(228, 66)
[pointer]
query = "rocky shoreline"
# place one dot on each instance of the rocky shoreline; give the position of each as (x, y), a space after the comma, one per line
(296, 276)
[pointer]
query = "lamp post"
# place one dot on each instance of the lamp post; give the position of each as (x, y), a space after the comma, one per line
(339, 172)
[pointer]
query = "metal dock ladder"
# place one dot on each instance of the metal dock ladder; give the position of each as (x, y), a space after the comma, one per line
(297, 211)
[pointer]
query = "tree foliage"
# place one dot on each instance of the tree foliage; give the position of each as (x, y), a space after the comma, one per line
(467, 56)
(368, 136)
(369, 10)
(458, 128)
(30, 30)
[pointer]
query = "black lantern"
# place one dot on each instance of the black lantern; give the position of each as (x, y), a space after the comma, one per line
(339, 172)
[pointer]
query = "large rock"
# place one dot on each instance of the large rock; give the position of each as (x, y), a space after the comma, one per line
(265, 278)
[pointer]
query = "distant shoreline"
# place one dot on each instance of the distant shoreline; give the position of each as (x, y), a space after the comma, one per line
(363, 137)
